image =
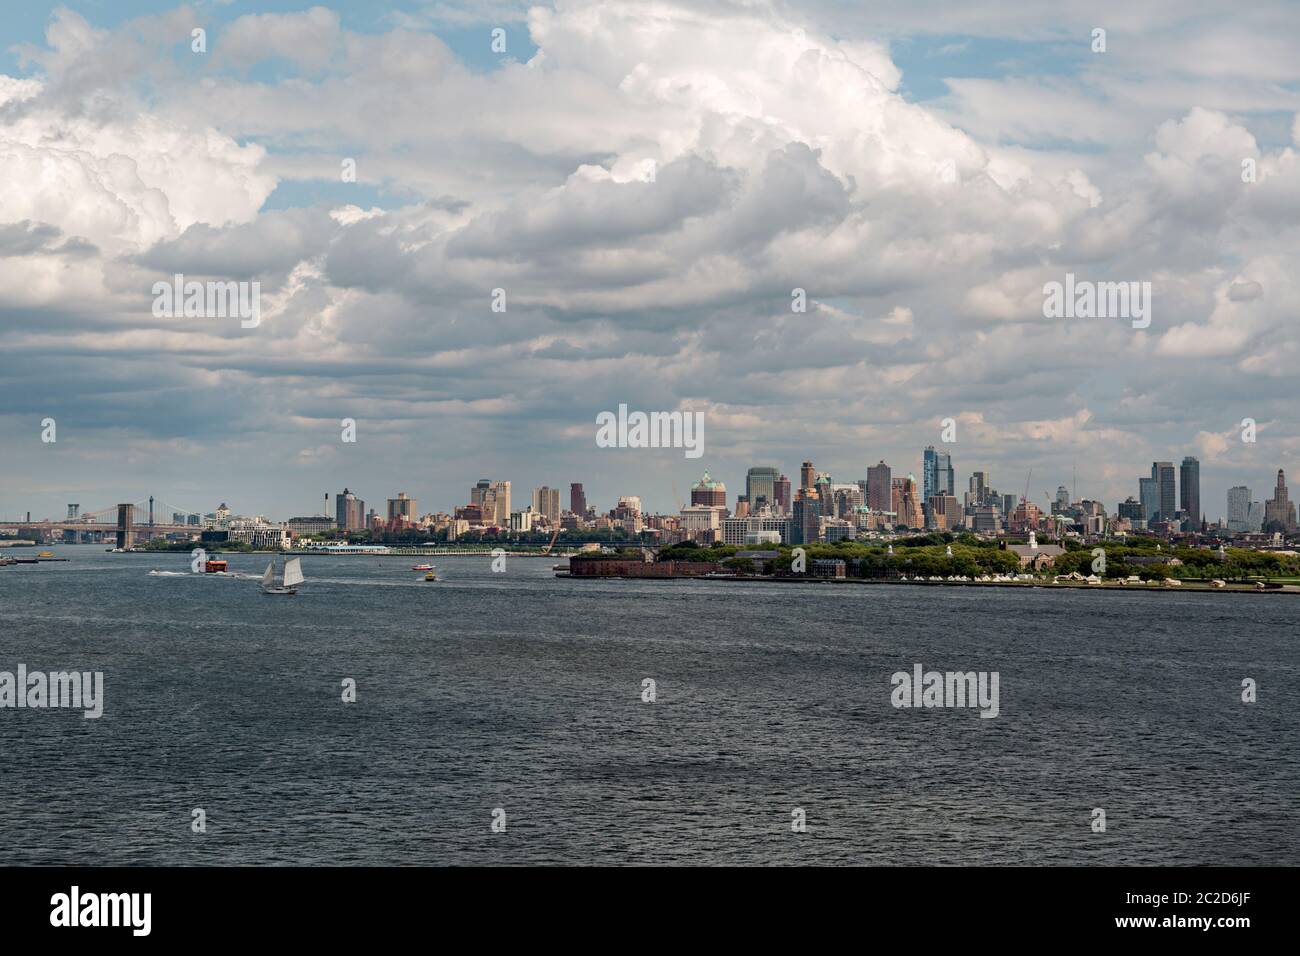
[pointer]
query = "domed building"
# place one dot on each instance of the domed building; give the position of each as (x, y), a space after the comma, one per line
(708, 492)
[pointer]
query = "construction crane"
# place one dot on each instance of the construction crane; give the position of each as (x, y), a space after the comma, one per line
(1025, 496)
(547, 549)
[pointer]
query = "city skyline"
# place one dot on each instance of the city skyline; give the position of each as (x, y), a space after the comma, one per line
(504, 493)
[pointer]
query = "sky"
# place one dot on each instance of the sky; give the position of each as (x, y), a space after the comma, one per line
(647, 182)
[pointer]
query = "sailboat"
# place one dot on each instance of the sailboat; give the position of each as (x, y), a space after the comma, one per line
(289, 584)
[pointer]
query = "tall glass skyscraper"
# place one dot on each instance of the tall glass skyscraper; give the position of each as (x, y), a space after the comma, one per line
(760, 482)
(1149, 495)
(937, 476)
(1189, 492)
(1239, 508)
(1166, 484)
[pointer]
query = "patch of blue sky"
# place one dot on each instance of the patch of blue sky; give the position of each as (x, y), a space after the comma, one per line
(330, 194)
(926, 61)
(25, 22)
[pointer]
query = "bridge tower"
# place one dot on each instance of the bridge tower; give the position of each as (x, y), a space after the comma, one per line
(125, 531)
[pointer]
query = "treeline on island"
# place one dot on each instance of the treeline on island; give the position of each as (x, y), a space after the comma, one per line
(927, 555)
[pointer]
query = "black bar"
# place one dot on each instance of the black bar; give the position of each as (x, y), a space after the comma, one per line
(944, 907)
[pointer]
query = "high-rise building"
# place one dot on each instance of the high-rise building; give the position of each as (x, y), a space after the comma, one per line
(1062, 499)
(937, 477)
(500, 494)
(805, 524)
(402, 507)
(1278, 510)
(906, 503)
(847, 499)
(1189, 492)
(978, 489)
(880, 488)
(1239, 508)
(1131, 510)
(577, 499)
(760, 482)
(349, 511)
(710, 493)
(493, 499)
(546, 502)
(1166, 485)
(782, 495)
(807, 476)
(1149, 496)
(701, 522)
(945, 512)
(822, 485)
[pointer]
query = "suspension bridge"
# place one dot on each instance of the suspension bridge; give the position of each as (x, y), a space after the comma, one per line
(125, 521)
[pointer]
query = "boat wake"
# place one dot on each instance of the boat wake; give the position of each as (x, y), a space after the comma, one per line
(238, 575)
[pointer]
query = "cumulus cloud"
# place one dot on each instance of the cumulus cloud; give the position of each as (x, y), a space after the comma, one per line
(647, 189)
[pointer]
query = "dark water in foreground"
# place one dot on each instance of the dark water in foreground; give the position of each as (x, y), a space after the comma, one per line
(523, 691)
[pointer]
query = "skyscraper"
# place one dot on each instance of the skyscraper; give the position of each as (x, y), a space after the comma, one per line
(1189, 492)
(402, 507)
(760, 482)
(880, 489)
(577, 499)
(501, 494)
(1166, 485)
(823, 489)
(805, 527)
(1149, 496)
(906, 503)
(1239, 508)
(782, 493)
(937, 476)
(546, 502)
(1278, 510)
(349, 511)
(493, 498)
(807, 475)
(708, 492)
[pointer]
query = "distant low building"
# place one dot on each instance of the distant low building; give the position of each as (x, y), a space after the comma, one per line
(1034, 555)
(760, 558)
(314, 524)
(827, 568)
(267, 538)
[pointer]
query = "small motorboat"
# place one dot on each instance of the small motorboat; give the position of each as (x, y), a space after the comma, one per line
(425, 567)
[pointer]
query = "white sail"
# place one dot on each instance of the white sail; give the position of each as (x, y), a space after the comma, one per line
(292, 572)
(267, 579)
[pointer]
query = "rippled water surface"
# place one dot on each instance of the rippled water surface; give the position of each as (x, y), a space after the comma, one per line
(521, 691)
